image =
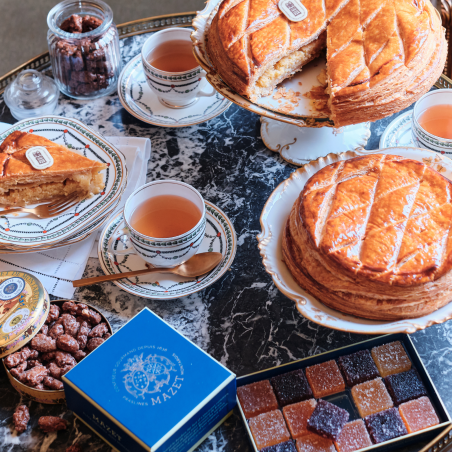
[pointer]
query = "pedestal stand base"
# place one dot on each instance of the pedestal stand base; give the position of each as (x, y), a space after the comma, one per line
(300, 145)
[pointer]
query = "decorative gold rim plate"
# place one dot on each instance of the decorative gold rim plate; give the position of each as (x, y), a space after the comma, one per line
(139, 100)
(273, 220)
(220, 236)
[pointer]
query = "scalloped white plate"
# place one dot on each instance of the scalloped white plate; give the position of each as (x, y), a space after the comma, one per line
(273, 220)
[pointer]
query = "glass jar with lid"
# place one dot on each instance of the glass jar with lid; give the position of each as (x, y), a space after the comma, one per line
(84, 48)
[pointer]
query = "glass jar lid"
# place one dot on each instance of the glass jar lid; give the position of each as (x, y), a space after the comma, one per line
(24, 306)
(31, 94)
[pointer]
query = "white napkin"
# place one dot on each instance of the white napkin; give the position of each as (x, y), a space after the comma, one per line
(57, 268)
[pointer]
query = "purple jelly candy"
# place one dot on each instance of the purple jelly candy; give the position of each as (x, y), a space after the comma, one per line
(358, 367)
(385, 425)
(291, 387)
(288, 446)
(327, 420)
(405, 386)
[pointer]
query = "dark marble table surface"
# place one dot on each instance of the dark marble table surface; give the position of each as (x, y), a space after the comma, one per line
(242, 320)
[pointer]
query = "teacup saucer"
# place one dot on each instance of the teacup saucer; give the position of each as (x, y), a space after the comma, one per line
(138, 99)
(398, 133)
(220, 237)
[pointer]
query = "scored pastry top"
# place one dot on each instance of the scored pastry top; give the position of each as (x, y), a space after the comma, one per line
(14, 163)
(364, 36)
(383, 217)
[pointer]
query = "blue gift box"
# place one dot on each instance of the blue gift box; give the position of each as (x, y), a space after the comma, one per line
(147, 388)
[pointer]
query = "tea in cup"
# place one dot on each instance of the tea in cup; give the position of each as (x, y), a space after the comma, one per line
(171, 69)
(432, 121)
(165, 223)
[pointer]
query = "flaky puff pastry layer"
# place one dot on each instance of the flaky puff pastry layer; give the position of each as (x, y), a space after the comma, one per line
(22, 184)
(372, 237)
(382, 55)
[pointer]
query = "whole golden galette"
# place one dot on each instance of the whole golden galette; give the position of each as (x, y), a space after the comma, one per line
(372, 237)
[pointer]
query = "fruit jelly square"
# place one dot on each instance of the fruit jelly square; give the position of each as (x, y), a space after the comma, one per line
(257, 398)
(405, 386)
(269, 429)
(385, 425)
(371, 397)
(291, 387)
(358, 367)
(327, 420)
(354, 436)
(288, 446)
(315, 443)
(418, 414)
(297, 416)
(391, 358)
(325, 379)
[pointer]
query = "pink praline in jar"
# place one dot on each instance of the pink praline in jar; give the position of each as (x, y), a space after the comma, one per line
(85, 60)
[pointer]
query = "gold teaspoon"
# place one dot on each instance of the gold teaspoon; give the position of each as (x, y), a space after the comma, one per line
(197, 265)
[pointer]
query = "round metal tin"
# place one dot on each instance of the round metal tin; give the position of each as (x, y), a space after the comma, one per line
(24, 305)
(47, 396)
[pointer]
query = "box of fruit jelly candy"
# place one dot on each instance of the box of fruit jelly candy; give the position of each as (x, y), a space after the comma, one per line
(148, 388)
(373, 395)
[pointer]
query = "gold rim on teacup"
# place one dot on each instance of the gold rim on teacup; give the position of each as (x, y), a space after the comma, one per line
(421, 136)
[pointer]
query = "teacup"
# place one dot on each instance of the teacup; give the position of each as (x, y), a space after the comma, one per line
(421, 137)
(161, 252)
(174, 89)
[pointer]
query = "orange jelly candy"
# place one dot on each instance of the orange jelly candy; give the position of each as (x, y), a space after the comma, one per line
(269, 429)
(257, 398)
(371, 397)
(391, 359)
(325, 379)
(354, 436)
(315, 443)
(297, 416)
(418, 414)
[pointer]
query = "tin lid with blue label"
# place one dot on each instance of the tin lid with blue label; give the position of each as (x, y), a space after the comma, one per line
(24, 305)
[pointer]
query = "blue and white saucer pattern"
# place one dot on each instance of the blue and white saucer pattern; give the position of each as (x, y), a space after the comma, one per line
(398, 133)
(138, 99)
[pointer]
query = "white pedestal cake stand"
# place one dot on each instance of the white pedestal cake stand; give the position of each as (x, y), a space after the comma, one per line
(290, 125)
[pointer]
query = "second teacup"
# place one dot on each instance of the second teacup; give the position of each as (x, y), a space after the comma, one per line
(167, 59)
(170, 209)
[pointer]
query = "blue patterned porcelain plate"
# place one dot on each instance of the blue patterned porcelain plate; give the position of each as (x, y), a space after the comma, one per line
(219, 237)
(398, 133)
(25, 231)
(138, 99)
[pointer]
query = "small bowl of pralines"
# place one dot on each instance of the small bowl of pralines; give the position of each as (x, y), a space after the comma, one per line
(71, 331)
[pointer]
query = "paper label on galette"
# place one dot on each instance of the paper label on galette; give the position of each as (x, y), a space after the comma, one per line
(294, 10)
(39, 157)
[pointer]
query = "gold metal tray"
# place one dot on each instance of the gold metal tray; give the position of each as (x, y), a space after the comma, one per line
(138, 27)
(135, 27)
